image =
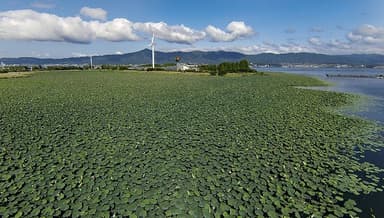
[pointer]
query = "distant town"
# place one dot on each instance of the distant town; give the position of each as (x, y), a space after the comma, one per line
(184, 67)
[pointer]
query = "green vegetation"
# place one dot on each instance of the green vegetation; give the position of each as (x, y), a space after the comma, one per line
(234, 67)
(15, 75)
(227, 67)
(14, 69)
(155, 144)
(114, 67)
(155, 69)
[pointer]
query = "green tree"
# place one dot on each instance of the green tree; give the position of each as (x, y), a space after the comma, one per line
(223, 68)
(244, 66)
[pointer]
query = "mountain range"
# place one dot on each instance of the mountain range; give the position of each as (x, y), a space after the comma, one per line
(208, 57)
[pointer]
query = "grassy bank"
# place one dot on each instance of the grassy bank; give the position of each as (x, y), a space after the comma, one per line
(158, 144)
(11, 75)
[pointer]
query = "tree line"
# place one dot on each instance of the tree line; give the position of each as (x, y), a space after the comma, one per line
(227, 67)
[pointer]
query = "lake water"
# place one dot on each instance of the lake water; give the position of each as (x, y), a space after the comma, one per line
(373, 110)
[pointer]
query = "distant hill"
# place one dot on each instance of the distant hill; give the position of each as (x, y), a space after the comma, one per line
(210, 57)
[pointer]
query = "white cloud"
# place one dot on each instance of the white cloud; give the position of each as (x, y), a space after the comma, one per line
(235, 30)
(338, 44)
(364, 39)
(354, 37)
(94, 13)
(271, 47)
(314, 45)
(117, 30)
(31, 25)
(176, 33)
(35, 26)
(219, 35)
(368, 34)
(315, 41)
(239, 29)
(369, 30)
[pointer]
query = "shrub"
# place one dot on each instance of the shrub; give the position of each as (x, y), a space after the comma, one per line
(155, 69)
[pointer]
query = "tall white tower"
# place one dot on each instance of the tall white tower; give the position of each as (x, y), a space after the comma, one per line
(153, 50)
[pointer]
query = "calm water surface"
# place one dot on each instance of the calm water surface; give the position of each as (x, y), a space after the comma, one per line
(373, 110)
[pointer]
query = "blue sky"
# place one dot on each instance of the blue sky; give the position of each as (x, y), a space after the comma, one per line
(64, 28)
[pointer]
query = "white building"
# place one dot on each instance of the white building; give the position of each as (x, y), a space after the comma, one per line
(187, 67)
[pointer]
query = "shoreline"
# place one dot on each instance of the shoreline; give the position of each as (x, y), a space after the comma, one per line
(360, 103)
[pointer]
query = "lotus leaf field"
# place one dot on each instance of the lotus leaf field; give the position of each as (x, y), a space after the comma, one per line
(130, 144)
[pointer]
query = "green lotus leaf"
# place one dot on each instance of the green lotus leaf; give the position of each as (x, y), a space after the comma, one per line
(246, 196)
(93, 143)
(173, 211)
(48, 211)
(349, 204)
(19, 214)
(63, 205)
(35, 212)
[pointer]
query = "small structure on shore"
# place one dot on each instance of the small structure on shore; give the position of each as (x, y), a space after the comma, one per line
(185, 67)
